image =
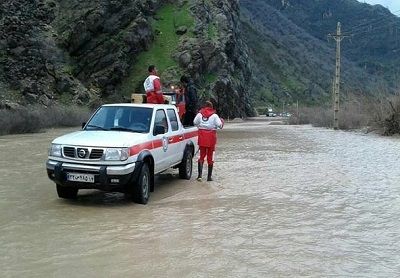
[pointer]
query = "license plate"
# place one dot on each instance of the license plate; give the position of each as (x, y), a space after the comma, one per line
(80, 177)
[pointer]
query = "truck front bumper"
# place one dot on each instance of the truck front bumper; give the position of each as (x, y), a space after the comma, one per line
(108, 178)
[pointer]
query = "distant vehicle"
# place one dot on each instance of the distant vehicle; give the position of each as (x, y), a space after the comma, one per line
(270, 113)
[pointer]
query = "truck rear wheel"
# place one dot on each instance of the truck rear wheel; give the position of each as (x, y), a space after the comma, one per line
(66, 192)
(141, 188)
(186, 166)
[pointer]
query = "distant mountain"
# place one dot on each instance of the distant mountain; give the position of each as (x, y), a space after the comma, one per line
(293, 58)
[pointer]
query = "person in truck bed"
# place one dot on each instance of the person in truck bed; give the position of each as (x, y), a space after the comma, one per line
(207, 122)
(152, 86)
(190, 95)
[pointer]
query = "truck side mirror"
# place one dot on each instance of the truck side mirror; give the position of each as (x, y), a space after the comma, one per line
(159, 129)
(83, 124)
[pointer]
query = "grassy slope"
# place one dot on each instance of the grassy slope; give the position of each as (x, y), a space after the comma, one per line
(263, 53)
(160, 53)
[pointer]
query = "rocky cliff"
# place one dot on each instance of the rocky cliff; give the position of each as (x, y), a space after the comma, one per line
(219, 54)
(83, 52)
(69, 51)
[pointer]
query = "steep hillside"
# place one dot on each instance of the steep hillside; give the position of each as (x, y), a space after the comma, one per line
(374, 30)
(374, 33)
(291, 64)
(89, 52)
(211, 51)
(95, 51)
(70, 51)
(292, 58)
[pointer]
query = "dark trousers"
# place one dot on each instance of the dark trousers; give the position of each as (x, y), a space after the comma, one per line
(188, 118)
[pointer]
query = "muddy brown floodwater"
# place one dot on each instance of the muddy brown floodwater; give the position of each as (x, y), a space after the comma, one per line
(287, 201)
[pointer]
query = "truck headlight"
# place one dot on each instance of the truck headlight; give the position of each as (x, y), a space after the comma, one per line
(117, 154)
(55, 150)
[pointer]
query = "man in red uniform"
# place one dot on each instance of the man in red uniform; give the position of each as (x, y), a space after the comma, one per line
(207, 122)
(152, 86)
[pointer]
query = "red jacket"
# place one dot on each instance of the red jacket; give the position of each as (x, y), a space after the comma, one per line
(207, 122)
(155, 95)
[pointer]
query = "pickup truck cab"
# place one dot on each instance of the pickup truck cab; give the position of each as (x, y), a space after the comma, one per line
(121, 148)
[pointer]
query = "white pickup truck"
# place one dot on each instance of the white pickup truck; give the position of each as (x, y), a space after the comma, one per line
(121, 148)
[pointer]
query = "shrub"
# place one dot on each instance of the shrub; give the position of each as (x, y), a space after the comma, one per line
(390, 121)
(317, 116)
(34, 118)
(352, 115)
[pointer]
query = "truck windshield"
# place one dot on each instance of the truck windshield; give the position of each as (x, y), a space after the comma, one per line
(121, 118)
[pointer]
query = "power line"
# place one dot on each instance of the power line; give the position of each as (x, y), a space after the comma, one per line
(367, 25)
(373, 25)
(376, 29)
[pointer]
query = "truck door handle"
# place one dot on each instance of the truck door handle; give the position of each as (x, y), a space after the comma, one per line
(180, 138)
(170, 140)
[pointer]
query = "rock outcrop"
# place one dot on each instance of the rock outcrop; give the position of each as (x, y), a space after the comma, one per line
(218, 51)
(72, 51)
(79, 51)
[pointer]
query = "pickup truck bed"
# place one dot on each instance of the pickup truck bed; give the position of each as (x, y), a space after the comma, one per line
(122, 148)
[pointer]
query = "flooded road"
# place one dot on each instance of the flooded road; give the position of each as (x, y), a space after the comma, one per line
(286, 201)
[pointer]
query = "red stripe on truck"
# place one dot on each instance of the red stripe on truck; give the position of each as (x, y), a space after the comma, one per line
(145, 146)
(175, 139)
(191, 134)
(157, 144)
(135, 149)
(140, 147)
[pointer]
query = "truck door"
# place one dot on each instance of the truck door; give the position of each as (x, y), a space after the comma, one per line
(161, 143)
(175, 138)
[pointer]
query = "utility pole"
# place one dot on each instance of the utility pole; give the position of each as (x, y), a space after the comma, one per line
(333, 93)
(338, 37)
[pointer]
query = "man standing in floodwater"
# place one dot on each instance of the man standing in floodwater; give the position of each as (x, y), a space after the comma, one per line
(152, 86)
(207, 122)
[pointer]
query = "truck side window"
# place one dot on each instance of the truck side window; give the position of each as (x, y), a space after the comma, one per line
(161, 119)
(173, 119)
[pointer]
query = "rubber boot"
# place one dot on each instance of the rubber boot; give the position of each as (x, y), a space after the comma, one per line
(200, 169)
(210, 169)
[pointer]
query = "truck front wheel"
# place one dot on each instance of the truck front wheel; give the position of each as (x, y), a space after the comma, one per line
(66, 192)
(185, 168)
(141, 188)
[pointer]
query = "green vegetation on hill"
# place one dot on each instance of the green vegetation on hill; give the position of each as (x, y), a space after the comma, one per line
(280, 73)
(375, 38)
(294, 62)
(212, 31)
(93, 52)
(168, 19)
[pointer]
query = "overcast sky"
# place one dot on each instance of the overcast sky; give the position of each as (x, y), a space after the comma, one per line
(393, 5)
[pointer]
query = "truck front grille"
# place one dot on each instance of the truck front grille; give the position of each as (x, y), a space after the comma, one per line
(95, 154)
(69, 151)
